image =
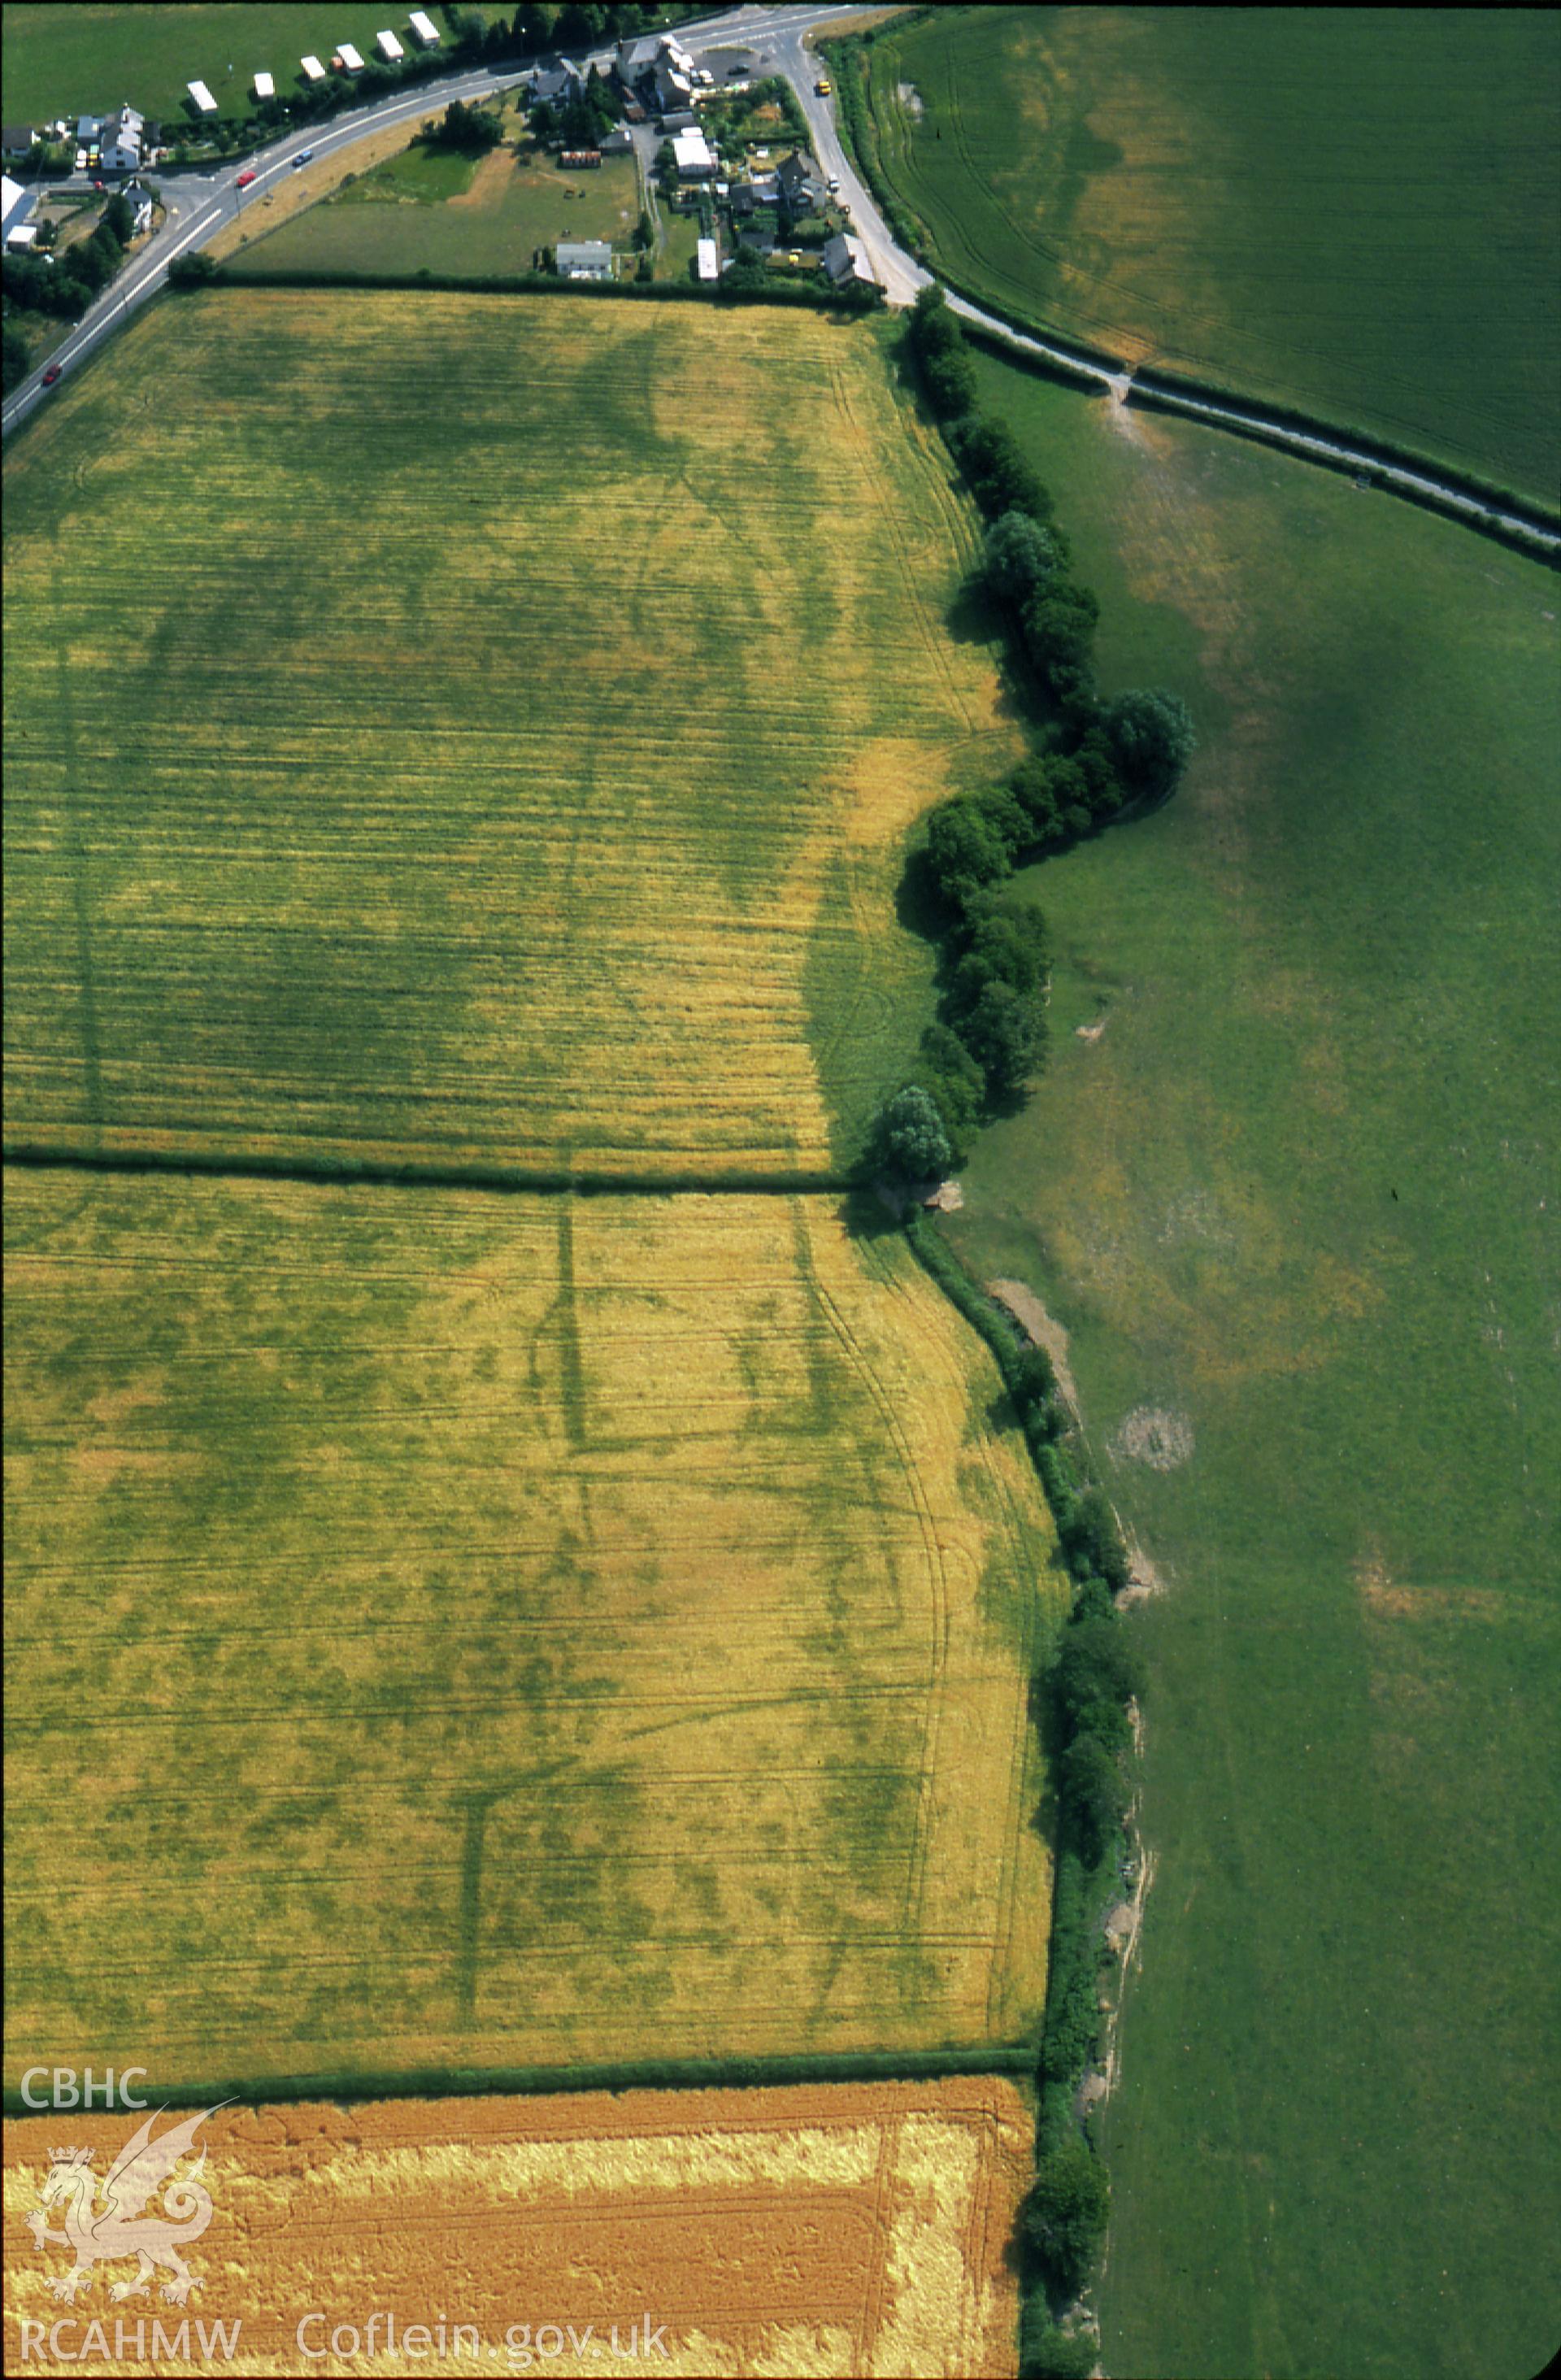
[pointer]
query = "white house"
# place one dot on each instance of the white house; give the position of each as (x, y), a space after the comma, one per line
(424, 29)
(16, 207)
(389, 47)
(313, 70)
(704, 265)
(692, 152)
(352, 59)
(265, 88)
(119, 141)
(143, 203)
(204, 102)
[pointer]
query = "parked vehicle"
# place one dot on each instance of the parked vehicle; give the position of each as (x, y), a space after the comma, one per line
(823, 86)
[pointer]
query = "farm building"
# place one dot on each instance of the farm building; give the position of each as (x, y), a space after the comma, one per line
(845, 261)
(352, 59)
(265, 88)
(388, 46)
(120, 140)
(17, 139)
(424, 30)
(619, 142)
(585, 259)
(204, 102)
(695, 162)
(312, 69)
(704, 265)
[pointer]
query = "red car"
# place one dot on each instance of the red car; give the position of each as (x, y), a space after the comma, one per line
(52, 375)
(244, 180)
(99, 186)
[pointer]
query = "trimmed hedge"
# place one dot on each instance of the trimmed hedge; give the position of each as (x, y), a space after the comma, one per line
(516, 284)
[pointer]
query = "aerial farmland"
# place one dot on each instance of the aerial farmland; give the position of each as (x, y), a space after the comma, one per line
(780, 1430)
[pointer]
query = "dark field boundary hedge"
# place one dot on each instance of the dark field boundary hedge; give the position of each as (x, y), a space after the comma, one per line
(525, 285)
(1266, 423)
(1057, 2262)
(345, 2086)
(327, 1171)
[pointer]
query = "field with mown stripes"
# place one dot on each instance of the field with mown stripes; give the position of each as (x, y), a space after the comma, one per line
(444, 730)
(1348, 211)
(458, 1629)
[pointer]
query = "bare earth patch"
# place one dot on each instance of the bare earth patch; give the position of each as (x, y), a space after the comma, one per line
(1032, 1317)
(1155, 1435)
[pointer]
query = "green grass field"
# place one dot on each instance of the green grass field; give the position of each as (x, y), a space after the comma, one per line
(449, 1629)
(391, 221)
(1295, 1200)
(86, 58)
(509, 761)
(1349, 211)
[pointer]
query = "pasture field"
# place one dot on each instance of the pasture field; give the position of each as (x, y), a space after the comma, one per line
(509, 758)
(838, 2230)
(406, 215)
(1294, 1200)
(1349, 211)
(467, 1630)
(87, 57)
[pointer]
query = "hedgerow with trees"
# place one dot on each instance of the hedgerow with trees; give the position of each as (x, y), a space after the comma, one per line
(1096, 763)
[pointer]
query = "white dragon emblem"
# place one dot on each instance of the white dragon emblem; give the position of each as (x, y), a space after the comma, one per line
(105, 2234)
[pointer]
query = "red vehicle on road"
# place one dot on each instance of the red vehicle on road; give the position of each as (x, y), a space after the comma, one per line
(245, 179)
(52, 375)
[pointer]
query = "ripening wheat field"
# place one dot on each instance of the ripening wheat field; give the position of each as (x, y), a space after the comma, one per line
(452, 730)
(455, 1629)
(856, 2227)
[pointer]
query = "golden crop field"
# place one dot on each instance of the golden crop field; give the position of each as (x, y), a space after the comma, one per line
(452, 730)
(856, 2227)
(463, 1629)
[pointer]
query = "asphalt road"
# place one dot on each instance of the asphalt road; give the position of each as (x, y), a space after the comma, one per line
(199, 206)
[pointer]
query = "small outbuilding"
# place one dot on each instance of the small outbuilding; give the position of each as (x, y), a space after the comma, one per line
(204, 102)
(312, 69)
(695, 160)
(389, 47)
(424, 30)
(265, 87)
(705, 266)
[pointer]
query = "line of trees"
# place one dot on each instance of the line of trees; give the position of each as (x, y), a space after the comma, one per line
(1099, 760)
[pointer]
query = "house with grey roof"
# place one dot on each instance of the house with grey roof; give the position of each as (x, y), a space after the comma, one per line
(120, 140)
(845, 261)
(584, 260)
(801, 186)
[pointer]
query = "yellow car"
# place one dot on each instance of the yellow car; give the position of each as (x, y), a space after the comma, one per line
(823, 87)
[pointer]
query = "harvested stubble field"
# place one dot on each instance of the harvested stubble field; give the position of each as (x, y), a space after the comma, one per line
(1349, 210)
(507, 758)
(851, 2229)
(459, 1629)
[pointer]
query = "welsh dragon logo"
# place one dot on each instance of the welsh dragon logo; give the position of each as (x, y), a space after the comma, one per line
(105, 2221)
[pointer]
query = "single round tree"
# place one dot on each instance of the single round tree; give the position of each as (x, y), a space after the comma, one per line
(1152, 739)
(1018, 556)
(1063, 2218)
(911, 1138)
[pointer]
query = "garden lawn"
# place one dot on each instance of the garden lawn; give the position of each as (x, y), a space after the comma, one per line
(512, 207)
(1295, 1200)
(509, 762)
(1349, 211)
(451, 1630)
